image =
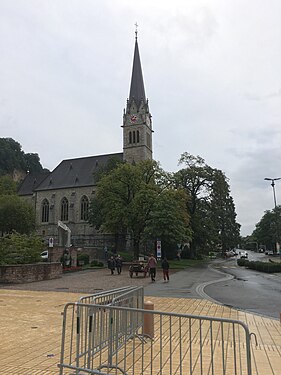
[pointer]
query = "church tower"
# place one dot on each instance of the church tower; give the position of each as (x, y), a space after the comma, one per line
(137, 127)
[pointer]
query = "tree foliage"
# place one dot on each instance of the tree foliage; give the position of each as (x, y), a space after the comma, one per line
(16, 215)
(7, 185)
(18, 248)
(268, 229)
(211, 208)
(223, 213)
(12, 157)
(136, 200)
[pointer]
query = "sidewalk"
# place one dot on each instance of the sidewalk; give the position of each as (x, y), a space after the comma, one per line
(31, 322)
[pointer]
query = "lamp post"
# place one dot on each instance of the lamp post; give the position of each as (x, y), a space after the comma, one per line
(275, 205)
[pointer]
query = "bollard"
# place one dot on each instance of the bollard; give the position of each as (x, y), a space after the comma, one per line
(148, 320)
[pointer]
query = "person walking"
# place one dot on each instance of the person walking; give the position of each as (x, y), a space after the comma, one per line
(111, 265)
(165, 268)
(151, 264)
(119, 263)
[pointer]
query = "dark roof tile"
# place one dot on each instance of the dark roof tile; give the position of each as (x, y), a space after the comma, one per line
(76, 172)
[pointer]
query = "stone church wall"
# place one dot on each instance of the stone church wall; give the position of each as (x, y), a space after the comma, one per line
(79, 228)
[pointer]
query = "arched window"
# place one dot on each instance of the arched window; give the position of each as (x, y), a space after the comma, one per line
(138, 136)
(64, 210)
(130, 137)
(84, 208)
(45, 211)
(134, 137)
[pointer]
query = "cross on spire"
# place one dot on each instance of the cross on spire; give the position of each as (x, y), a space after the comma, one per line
(136, 32)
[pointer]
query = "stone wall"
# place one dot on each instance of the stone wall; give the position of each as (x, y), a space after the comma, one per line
(27, 273)
(79, 228)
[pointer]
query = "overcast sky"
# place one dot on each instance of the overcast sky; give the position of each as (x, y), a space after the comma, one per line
(212, 72)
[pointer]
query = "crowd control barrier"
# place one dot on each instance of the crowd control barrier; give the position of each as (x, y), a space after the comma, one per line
(110, 340)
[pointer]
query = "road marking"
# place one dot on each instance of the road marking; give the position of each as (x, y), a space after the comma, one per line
(200, 288)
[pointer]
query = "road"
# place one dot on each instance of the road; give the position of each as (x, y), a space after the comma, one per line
(249, 290)
(224, 282)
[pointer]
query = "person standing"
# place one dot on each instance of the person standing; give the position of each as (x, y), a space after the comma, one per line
(111, 265)
(119, 263)
(165, 268)
(152, 263)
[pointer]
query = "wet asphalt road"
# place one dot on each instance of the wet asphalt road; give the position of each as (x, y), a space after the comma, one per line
(224, 282)
(256, 292)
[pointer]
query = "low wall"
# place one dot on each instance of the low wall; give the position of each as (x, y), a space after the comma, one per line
(27, 273)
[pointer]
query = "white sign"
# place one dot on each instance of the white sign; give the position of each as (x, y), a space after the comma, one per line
(158, 248)
(51, 242)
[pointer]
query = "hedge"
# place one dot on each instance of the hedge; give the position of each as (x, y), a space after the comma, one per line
(260, 266)
(83, 259)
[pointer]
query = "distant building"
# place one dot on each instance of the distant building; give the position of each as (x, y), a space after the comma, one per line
(64, 194)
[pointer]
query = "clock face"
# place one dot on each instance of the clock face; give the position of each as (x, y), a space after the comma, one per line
(133, 118)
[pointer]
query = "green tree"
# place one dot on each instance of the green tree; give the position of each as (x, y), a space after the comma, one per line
(267, 231)
(18, 248)
(12, 157)
(32, 163)
(196, 179)
(211, 208)
(132, 200)
(223, 214)
(169, 221)
(7, 185)
(16, 215)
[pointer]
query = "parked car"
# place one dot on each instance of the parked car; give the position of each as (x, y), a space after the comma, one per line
(230, 253)
(270, 252)
(45, 255)
(243, 255)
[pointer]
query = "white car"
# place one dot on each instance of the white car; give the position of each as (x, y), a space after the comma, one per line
(44, 255)
(270, 252)
(243, 255)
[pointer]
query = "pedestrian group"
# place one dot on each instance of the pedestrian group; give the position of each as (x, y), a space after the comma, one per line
(116, 262)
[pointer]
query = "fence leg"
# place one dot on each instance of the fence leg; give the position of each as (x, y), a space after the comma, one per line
(148, 320)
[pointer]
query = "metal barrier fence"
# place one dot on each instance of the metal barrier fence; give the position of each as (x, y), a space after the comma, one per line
(105, 297)
(182, 344)
(132, 297)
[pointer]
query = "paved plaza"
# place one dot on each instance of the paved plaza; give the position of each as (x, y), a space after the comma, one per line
(31, 320)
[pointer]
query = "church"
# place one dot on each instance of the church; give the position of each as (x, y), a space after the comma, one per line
(62, 197)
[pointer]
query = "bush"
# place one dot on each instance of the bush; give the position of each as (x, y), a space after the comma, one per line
(18, 248)
(96, 263)
(82, 259)
(242, 262)
(260, 266)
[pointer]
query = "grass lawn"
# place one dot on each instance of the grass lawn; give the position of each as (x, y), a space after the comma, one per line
(184, 263)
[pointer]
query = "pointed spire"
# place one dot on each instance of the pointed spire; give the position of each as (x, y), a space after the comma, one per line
(137, 86)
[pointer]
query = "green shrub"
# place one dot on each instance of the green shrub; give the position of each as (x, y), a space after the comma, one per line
(96, 263)
(18, 248)
(242, 262)
(82, 259)
(260, 266)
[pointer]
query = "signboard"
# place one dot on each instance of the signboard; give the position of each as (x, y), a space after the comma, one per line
(51, 242)
(158, 249)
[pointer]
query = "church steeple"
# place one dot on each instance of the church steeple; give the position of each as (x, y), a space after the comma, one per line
(137, 128)
(137, 92)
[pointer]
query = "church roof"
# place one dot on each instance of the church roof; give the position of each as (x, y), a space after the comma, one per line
(31, 181)
(73, 173)
(137, 91)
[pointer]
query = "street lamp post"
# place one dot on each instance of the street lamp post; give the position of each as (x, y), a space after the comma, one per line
(275, 205)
